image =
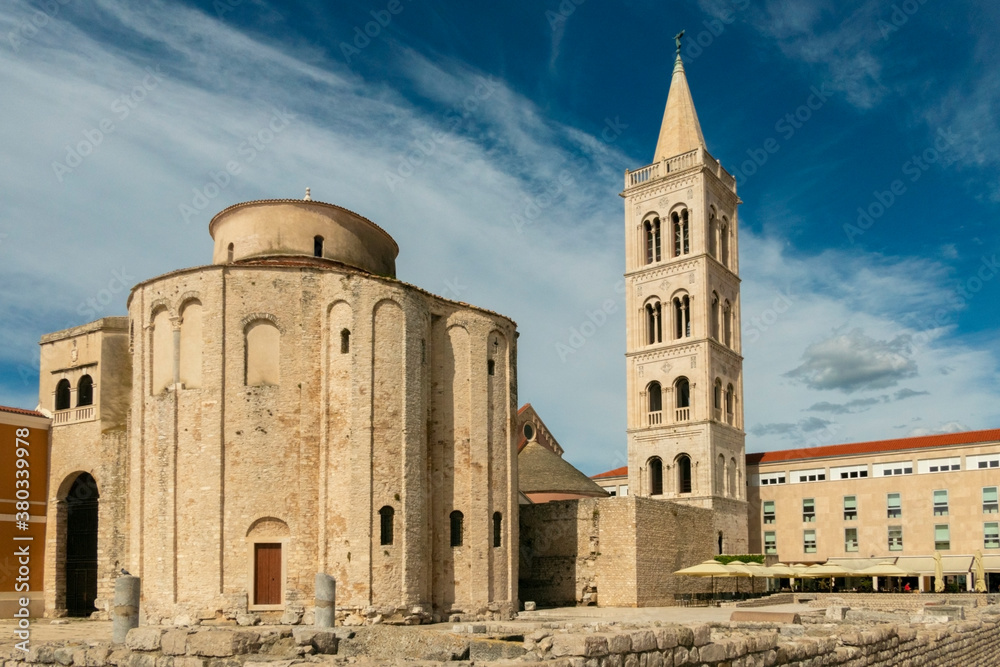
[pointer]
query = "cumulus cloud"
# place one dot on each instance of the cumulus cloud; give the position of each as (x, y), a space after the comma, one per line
(853, 361)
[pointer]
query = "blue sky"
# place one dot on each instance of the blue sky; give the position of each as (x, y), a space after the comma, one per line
(490, 141)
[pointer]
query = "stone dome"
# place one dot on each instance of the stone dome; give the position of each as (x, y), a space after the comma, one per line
(294, 227)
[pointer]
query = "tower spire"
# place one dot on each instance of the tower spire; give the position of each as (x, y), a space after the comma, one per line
(680, 131)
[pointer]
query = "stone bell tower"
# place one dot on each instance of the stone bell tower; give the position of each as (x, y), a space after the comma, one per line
(684, 367)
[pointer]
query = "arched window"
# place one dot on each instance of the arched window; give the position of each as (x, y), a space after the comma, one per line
(731, 489)
(681, 233)
(727, 323)
(162, 352)
(654, 324)
(716, 310)
(497, 529)
(682, 399)
(730, 403)
(720, 475)
(720, 542)
(652, 229)
(457, 519)
(317, 246)
(490, 367)
(713, 229)
(345, 341)
(263, 341)
(683, 474)
(717, 399)
(655, 466)
(62, 395)
(724, 241)
(230, 252)
(85, 391)
(682, 316)
(654, 411)
(386, 516)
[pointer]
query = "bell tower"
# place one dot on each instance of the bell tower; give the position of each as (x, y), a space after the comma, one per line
(683, 349)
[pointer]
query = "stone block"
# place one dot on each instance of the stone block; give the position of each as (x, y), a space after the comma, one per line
(836, 612)
(685, 636)
(43, 654)
(792, 631)
(680, 656)
(222, 643)
(247, 619)
(619, 643)
(140, 660)
(588, 646)
(144, 639)
(666, 638)
(483, 650)
(189, 661)
(64, 655)
(702, 634)
(529, 606)
(643, 641)
(322, 640)
(174, 642)
(712, 653)
(754, 616)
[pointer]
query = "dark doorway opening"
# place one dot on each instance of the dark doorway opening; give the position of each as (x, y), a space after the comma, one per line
(81, 546)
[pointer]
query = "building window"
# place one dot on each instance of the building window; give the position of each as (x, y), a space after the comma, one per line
(654, 324)
(809, 541)
(85, 391)
(457, 519)
(62, 395)
(717, 398)
(895, 538)
(652, 228)
(263, 341)
(491, 367)
(991, 535)
(654, 395)
(769, 516)
(724, 241)
(682, 236)
(682, 317)
(497, 529)
(942, 537)
(684, 473)
(229, 255)
(386, 516)
(770, 543)
(808, 510)
(941, 503)
(772, 478)
(850, 508)
(682, 396)
(727, 324)
(713, 229)
(850, 539)
(716, 315)
(730, 403)
(345, 341)
(894, 508)
(318, 246)
(991, 463)
(655, 477)
(989, 500)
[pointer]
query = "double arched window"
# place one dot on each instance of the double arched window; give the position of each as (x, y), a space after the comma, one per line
(724, 241)
(652, 235)
(681, 230)
(682, 316)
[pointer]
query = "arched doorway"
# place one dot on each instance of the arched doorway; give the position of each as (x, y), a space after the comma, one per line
(81, 546)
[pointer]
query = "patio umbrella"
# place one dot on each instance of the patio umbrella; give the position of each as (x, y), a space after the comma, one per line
(938, 573)
(885, 568)
(827, 570)
(740, 569)
(785, 571)
(980, 572)
(709, 568)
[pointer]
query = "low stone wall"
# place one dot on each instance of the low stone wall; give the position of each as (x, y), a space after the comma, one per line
(777, 598)
(911, 602)
(967, 644)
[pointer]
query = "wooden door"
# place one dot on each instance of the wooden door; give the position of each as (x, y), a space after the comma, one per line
(267, 574)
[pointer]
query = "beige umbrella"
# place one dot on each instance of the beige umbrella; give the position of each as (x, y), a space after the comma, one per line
(980, 572)
(938, 573)
(709, 568)
(884, 568)
(827, 570)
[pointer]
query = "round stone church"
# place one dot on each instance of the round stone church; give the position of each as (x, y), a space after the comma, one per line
(293, 409)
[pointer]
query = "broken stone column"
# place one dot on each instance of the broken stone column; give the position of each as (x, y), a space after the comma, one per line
(125, 611)
(326, 600)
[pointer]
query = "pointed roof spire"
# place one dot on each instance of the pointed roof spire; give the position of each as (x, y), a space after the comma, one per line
(680, 131)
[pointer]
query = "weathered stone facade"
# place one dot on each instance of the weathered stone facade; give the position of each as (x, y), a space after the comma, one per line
(296, 409)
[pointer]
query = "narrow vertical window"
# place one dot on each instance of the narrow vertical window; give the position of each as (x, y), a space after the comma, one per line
(941, 503)
(809, 541)
(991, 535)
(684, 474)
(727, 324)
(850, 539)
(386, 517)
(490, 367)
(682, 317)
(717, 399)
(770, 543)
(685, 233)
(654, 394)
(318, 246)
(457, 519)
(652, 229)
(497, 529)
(894, 507)
(655, 477)
(769, 516)
(808, 510)
(716, 315)
(345, 341)
(724, 241)
(895, 538)
(713, 229)
(850, 508)
(730, 403)
(989, 500)
(682, 398)
(230, 251)
(62, 395)
(942, 537)
(85, 391)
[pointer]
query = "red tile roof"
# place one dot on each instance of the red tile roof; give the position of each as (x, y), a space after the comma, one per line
(920, 442)
(617, 472)
(21, 411)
